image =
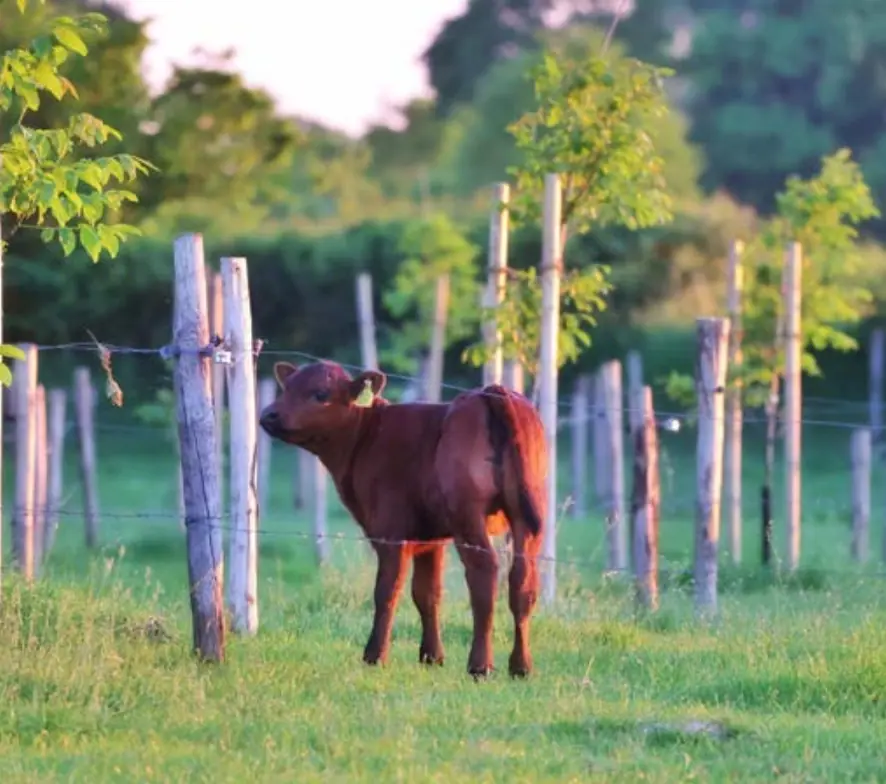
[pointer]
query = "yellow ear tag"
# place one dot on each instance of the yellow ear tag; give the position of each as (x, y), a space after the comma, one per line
(366, 396)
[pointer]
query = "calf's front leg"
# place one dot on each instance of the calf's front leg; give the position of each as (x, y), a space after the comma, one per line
(388, 585)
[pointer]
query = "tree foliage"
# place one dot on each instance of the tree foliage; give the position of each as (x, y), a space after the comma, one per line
(467, 45)
(823, 214)
(487, 148)
(593, 124)
(582, 298)
(776, 84)
(41, 180)
(431, 248)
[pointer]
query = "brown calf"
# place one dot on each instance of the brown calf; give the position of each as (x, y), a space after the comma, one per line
(418, 475)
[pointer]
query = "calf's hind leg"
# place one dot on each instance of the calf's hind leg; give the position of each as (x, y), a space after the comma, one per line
(481, 570)
(427, 588)
(522, 596)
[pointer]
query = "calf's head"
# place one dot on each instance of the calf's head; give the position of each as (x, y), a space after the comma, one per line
(316, 400)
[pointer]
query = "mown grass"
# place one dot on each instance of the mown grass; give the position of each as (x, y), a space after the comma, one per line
(97, 682)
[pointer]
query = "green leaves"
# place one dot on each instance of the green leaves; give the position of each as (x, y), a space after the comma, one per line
(432, 247)
(822, 214)
(596, 123)
(40, 179)
(8, 352)
(582, 298)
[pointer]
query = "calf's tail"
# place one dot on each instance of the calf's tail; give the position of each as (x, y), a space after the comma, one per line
(521, 444)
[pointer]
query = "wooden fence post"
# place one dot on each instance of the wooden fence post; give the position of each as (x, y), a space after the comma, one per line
(243, 544)
(56, 426)
(613, 438)
(634, 369)
(496, 279)
(646, 505)
(1, 408)
(600, 441)
(710, 380)
(876, 355)
(580, 421)
(25, 461)
(366, 321)
(84, 409)
(512, 375)
(551, 267)
(434, 378)
(196, 432)
(217, 327)
(321, 541)
(40, 477)
(733, 433)
(305, 482)
(793, 403)
(267, 391)
(861, 493)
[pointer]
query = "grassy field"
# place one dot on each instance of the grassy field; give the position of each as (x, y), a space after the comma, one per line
(97, 683)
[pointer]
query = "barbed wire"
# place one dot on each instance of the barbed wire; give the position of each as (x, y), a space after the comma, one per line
(666, 416)
(216, 522)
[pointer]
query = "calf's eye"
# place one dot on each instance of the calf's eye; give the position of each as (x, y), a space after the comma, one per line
(321, 395)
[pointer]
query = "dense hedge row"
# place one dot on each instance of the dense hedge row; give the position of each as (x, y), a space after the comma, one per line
(302, 288)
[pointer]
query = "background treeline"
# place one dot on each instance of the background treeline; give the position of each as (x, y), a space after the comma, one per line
(763, 89)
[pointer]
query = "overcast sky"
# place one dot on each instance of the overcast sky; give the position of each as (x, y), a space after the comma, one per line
(339, 61)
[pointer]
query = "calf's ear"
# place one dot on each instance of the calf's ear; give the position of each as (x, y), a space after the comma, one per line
(282, 371)
(365, 387)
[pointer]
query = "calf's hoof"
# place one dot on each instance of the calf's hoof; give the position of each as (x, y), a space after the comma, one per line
(480, 673)
(372, 657)
(518, 667)
(430, 657)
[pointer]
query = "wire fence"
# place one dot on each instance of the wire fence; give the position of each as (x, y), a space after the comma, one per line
(818, 413)
(815, 409)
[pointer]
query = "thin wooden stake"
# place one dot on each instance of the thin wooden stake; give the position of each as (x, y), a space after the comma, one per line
(321, 540)
(580, 421)
(876, 356)
(496, 279)
(267, 391)
(57, 425)
(305, 482)
(646, 505)
(634, 370)
(366, 321)
(1, 407)
(25, 461)
(243, 540)
(216, 327)
(512, 375)
(40, 477)
(600, 430)
(84, 408)
(861, 493)
(733, 433)
(710, 380)
(551, 267)
(614, 450)
(196, 431)
(434, 378)
(793, 404)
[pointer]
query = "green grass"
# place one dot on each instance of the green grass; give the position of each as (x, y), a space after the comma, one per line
(97, 682)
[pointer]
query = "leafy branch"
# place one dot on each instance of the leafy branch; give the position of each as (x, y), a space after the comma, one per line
(582, 298)
(39, 177)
